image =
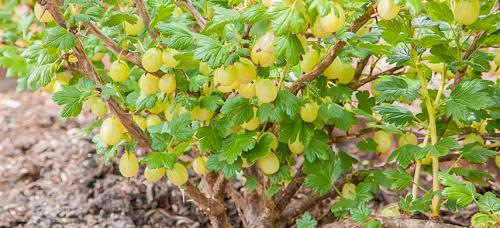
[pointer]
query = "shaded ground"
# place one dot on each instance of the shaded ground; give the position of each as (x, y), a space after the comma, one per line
(50, 178)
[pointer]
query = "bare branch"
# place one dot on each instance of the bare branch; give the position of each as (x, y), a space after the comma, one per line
(360, 67)
(141, 9)
(332, 54)
(284, 197)
(468, 54)
(370, 78)
(196, 14)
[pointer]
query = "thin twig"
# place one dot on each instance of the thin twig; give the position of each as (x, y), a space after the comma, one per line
(196, 14)
(390, 71)
(141, 9)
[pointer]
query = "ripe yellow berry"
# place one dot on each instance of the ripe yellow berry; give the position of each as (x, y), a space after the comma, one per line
(309, 61)
(99, 108)
(140, 121)
(152, 120)
(97, 57)
(318, 31)
(154, 175)
(204, 68)
(340, 70)
(383, 140)
(129, 166)
(269, 164)
(309, 112)
(148, 84)
(168, 57)
(178, 175)
(245, 71)
(466, 11)
(43, 15)
(167, 84)
(246, 90)
(266, 90)
(229, 88)
(157, 108)
(199, 165)
(496, 60)
(333, 22)
(201, 114)
(136, 28)
(152, 60)
(224, 77)
(262, 52)
(408, 138)
(274, 143)
(296, 147)
(111, 131)
(118, 71)
(387, 9)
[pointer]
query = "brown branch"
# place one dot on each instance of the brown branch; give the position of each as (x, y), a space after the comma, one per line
(357, 84)
(196, 14)
(296, 209)
(240, 203)
(141, 9)
(468, 54)
(132, 57)
(332, 54)
(284, 197)
(391, 222)
(360, 67)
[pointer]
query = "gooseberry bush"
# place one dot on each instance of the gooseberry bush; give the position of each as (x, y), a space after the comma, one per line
(211, 94)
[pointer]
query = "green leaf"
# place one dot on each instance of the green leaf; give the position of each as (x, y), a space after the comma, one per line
(72, 100)
(392, 87)
(476, 154)
(251, 183)
(119, 18)
(41, 76)
(321, 180)
(266, 113)
(368, 145)
(289, 48)
(463, 193)
(290, 130)
(489, 202)
(442, 147)
(361, 213)
(286, 18)
(230, 170)
(196, 82)
(211, 51)
(222, 17)
(254, 13)
(238, 109)
(177, 35)
(155, 160)
(234, 145)
(340, 93)
(404, 155)
(306, 221)
(439, 11)
(58, 37)
(261, 149)
(467, 96)
(211, 102)
(103, 148)
(473, 175)
(317, 148)
(179, 127)
(400, 55)
(338, 116)
(400, 179)
(288, 103)
(397, 115)
(365, 102)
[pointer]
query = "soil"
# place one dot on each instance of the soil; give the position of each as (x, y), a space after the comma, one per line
(50, 177)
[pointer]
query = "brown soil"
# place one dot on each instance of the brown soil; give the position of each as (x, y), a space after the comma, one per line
(50, 177)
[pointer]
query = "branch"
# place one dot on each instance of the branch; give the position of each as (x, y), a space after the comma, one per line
(196, 14)
(468, 54)
(141, 9)
(332, 54)
(391, 222)
(132, 57)
(360, 67)
(284, 197)
(370, 78)
(294, 210)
